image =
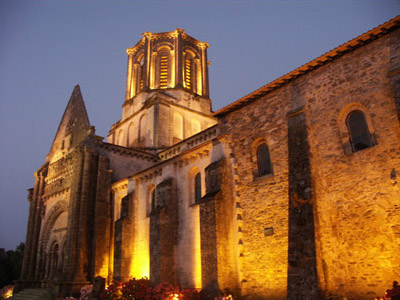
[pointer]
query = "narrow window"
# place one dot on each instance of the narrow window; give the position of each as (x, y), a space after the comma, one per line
(263, 160)
(164, 71)
(141, 74)
(188, 72)
(197, 187)
(120, 138)
(360, 137)
(153, 200)
(130, 135)
(142, 129)
(54, 260)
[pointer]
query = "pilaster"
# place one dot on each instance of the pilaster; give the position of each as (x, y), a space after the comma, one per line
(129, 76)
(204, 65)
(179, 59)
(164, 234)
(38, 206)
(302, 271)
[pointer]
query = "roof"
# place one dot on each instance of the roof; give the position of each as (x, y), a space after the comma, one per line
(312, 65)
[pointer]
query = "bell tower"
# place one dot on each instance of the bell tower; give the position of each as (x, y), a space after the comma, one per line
(167, 92)
(167, 60)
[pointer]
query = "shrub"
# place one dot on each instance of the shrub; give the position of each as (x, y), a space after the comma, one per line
(142, 289)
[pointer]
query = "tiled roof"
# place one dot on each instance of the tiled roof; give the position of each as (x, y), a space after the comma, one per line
(314, 64)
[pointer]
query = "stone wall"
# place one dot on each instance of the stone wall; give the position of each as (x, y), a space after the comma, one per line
(357, 201)
(263, 200)
(356, 196)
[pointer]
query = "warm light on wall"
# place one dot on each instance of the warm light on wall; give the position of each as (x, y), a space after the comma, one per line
(197, 250)
(103, 271)
(140, 267)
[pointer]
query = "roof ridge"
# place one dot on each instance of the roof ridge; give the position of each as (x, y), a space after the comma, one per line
(313, 64)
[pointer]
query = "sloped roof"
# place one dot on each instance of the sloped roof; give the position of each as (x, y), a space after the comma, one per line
(312, 65)
(74, 122)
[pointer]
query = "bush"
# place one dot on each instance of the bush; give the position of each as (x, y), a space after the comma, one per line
(142, 289)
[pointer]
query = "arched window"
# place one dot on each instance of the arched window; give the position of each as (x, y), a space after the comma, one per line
(360, 137)
(188, 72)
(151, 199)
(263, 160)
(63, 254)
(141, 74)
(163, 70)
(197, 187)
(53, 260)
(130, 135)
(121, 138)
(142, 129)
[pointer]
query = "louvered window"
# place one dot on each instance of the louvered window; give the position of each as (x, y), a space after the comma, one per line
(188, 73)
(164, 71)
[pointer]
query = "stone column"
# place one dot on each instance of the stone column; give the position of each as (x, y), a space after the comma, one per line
(147, 60)
(208, 231)
(155, 71)
(102, 221)
(135, 83)
(198, 78)
(81, 271)
(37, 225)
(71, 245)
(204, 68)
(164, 234)
(130, 92)
(179, 58)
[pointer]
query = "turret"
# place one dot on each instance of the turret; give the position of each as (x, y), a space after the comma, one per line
(167, 94)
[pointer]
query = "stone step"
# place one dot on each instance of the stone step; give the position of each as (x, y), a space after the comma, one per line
(32, 294)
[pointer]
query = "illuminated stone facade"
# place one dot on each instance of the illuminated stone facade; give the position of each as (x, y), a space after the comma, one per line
(291, 192)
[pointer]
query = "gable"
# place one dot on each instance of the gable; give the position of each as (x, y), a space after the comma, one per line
(74, 126)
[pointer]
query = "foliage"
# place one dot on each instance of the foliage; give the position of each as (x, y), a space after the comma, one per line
(85, 292)
(11, 265)
(142, 289)
(6, 292)
(393, 293)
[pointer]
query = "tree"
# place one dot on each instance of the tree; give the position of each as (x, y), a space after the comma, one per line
(10, 265)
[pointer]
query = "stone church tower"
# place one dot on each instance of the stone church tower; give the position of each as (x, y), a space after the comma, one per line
(166, 92)
(290, 192)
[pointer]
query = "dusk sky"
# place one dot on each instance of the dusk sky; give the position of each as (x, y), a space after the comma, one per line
(47, 47)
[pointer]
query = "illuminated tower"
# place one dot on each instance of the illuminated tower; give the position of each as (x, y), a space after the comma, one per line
(167, 93)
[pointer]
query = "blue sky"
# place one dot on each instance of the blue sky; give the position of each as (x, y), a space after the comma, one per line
(47, 47)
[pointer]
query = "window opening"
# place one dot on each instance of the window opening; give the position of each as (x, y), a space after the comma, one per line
(360, 137)
(164, 71)
(263, 160)
(141, 73)
(197, 187)
(188, 73)
(153, 200)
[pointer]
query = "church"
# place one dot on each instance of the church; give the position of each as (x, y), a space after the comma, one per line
(290, 192)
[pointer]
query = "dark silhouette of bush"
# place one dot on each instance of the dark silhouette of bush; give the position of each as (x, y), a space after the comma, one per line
(10, 265)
